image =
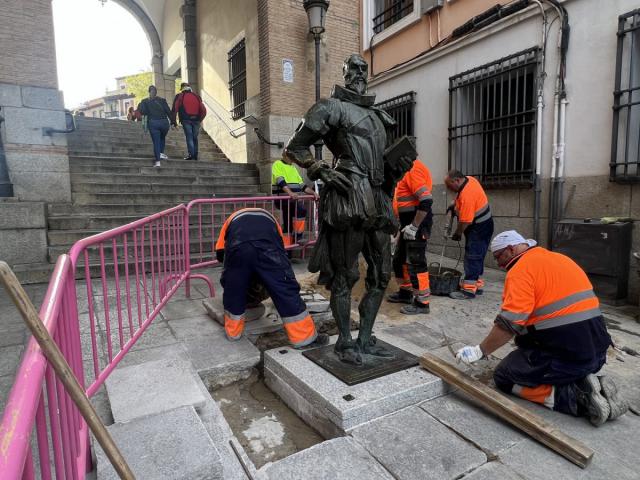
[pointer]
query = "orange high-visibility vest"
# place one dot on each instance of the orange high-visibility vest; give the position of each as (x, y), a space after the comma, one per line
(472, 204)
(544, 290)
(414, 188)
(239, 214)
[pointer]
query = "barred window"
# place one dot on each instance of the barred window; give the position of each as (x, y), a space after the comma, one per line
(238, 79)
(625, 138)
(388, 12)
(401, 108)
(492, 121)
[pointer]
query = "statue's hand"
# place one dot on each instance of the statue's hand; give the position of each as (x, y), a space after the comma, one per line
(336, 179)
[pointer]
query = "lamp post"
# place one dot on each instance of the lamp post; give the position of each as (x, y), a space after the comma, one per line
(317, 13)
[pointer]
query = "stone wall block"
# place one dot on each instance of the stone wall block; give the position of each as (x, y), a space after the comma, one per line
(42, 98)
(37, 162)
(50, 186)
(504, 203)
(22, 215)
(24, 125)
(10, 95)
(596, 197)
(23, 246)
(527, 197)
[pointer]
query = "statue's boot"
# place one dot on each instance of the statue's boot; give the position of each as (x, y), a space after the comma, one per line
(368, 309)
(345, 347)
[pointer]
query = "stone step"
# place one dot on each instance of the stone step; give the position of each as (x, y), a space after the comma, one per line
(142, 150)
(157, 198)
(70, 236)
(118, 146)
(168, 446)
(234, 178)
(144, 161)
(199, 189)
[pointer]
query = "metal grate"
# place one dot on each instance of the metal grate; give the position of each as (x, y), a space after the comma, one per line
(401, 108)
(625, 138)
(237, 58)
(389, 12)
(492, 121)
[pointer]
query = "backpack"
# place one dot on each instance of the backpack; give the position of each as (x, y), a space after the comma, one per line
(191, 107)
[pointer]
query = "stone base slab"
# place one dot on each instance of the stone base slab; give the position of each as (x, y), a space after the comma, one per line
(334, 408)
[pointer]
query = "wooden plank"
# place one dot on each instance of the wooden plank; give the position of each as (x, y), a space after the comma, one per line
(530, 423)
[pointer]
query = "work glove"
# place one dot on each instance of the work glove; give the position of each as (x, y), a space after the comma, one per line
(469, 354)
(456, 237)
(335, 179)
(409, 232)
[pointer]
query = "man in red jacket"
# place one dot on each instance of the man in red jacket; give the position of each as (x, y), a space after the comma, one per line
(191, 111)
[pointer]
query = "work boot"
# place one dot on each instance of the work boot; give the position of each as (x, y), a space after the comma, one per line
(590, 401)
(321, 340)
(461, 295)
(416, 308)
(401, 296)
(618, 405)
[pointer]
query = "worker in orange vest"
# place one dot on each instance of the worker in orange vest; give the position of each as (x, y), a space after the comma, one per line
(251, 246)
(548, 304)
(471, 206)
(412, 201)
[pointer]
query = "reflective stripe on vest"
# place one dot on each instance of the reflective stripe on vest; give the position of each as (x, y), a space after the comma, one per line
(300, 329)
(482, 214)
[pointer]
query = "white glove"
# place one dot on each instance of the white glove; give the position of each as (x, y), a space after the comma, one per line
(409, 232)
(469, 354)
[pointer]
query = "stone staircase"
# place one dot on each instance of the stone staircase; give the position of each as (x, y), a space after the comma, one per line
(113, 182)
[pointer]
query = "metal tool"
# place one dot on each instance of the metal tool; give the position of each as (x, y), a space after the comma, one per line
(447, 234)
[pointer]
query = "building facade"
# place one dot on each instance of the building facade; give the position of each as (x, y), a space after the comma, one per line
(484, 90)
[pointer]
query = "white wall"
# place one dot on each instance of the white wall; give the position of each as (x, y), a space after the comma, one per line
(590, 83)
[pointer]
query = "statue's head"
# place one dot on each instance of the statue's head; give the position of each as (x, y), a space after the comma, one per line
(355, 72)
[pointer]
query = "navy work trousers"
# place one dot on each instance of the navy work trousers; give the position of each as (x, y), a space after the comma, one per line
(191, 131)
(531, 368)
(477, 239)
(158, 129)
(267, 261)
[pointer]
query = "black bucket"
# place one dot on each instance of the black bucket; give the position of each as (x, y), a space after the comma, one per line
(443, 280)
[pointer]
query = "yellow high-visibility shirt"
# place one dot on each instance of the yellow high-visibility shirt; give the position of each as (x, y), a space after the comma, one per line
(285, 175)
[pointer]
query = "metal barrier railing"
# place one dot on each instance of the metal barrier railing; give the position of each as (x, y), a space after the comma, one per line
(127, 275)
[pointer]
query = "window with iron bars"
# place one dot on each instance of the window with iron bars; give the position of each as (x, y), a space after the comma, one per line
(238, 79)
(492, 121)
(401, 108)
(625, 138)
(388, 12)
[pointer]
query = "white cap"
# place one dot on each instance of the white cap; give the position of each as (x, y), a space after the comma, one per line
(509, 239)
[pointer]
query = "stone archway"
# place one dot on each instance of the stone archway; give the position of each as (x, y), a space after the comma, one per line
(164, 84)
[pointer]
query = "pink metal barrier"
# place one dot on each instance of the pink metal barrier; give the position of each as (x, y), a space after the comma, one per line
(207, 215)
(127, 275)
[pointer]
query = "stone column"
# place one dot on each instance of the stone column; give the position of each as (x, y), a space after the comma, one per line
(6, 188)
(189, 26)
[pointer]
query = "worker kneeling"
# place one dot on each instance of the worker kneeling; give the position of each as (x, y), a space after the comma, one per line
(549, 305)
(251, 246)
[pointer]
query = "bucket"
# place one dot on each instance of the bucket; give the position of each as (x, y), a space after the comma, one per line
(443, 280)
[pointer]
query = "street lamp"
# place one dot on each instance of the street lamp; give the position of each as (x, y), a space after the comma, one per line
(317, 13)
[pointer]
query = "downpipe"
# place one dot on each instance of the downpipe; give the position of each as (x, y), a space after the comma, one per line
(554, 163)
(537, 185)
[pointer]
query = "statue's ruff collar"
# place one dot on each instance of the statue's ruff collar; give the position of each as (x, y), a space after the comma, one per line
(346, 95)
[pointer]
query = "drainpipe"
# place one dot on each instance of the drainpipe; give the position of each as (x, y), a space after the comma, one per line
(561, 154)
(539, 109)
(6, 187)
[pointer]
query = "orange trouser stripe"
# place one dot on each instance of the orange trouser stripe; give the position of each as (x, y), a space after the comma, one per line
(233, 328)
(299, 225)
(288, 240)
(539, 394)
(405, 283)
(480, 283)
(301, 332)
(469, 287)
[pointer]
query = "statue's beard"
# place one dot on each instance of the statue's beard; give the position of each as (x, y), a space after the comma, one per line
(358, 85)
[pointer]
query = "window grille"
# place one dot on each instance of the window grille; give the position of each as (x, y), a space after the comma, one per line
(492, 121)
(401, 108)
(625, 138)
(388, 12)
(238, 79)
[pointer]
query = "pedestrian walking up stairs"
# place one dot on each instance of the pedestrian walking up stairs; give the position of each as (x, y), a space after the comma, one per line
(113, 182)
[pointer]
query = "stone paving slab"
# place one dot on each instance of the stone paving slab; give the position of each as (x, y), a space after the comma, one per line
(153, 387)
(462, 415)
(183, 308)
(219, 361)
(171, 445)
(412, 445)
(193, 327)
(338, 459)
(343, 405)
(493, 471)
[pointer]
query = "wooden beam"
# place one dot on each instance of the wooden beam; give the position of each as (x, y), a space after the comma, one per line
(521, 418)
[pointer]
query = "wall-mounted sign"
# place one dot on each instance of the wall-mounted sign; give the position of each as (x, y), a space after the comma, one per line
(287, 70)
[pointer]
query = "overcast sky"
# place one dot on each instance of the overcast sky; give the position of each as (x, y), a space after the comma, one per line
(94, 45)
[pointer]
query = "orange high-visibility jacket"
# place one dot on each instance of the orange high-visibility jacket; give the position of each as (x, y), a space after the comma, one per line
(414, 188)
(472, 204)
(257, 224)
(546, 289)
